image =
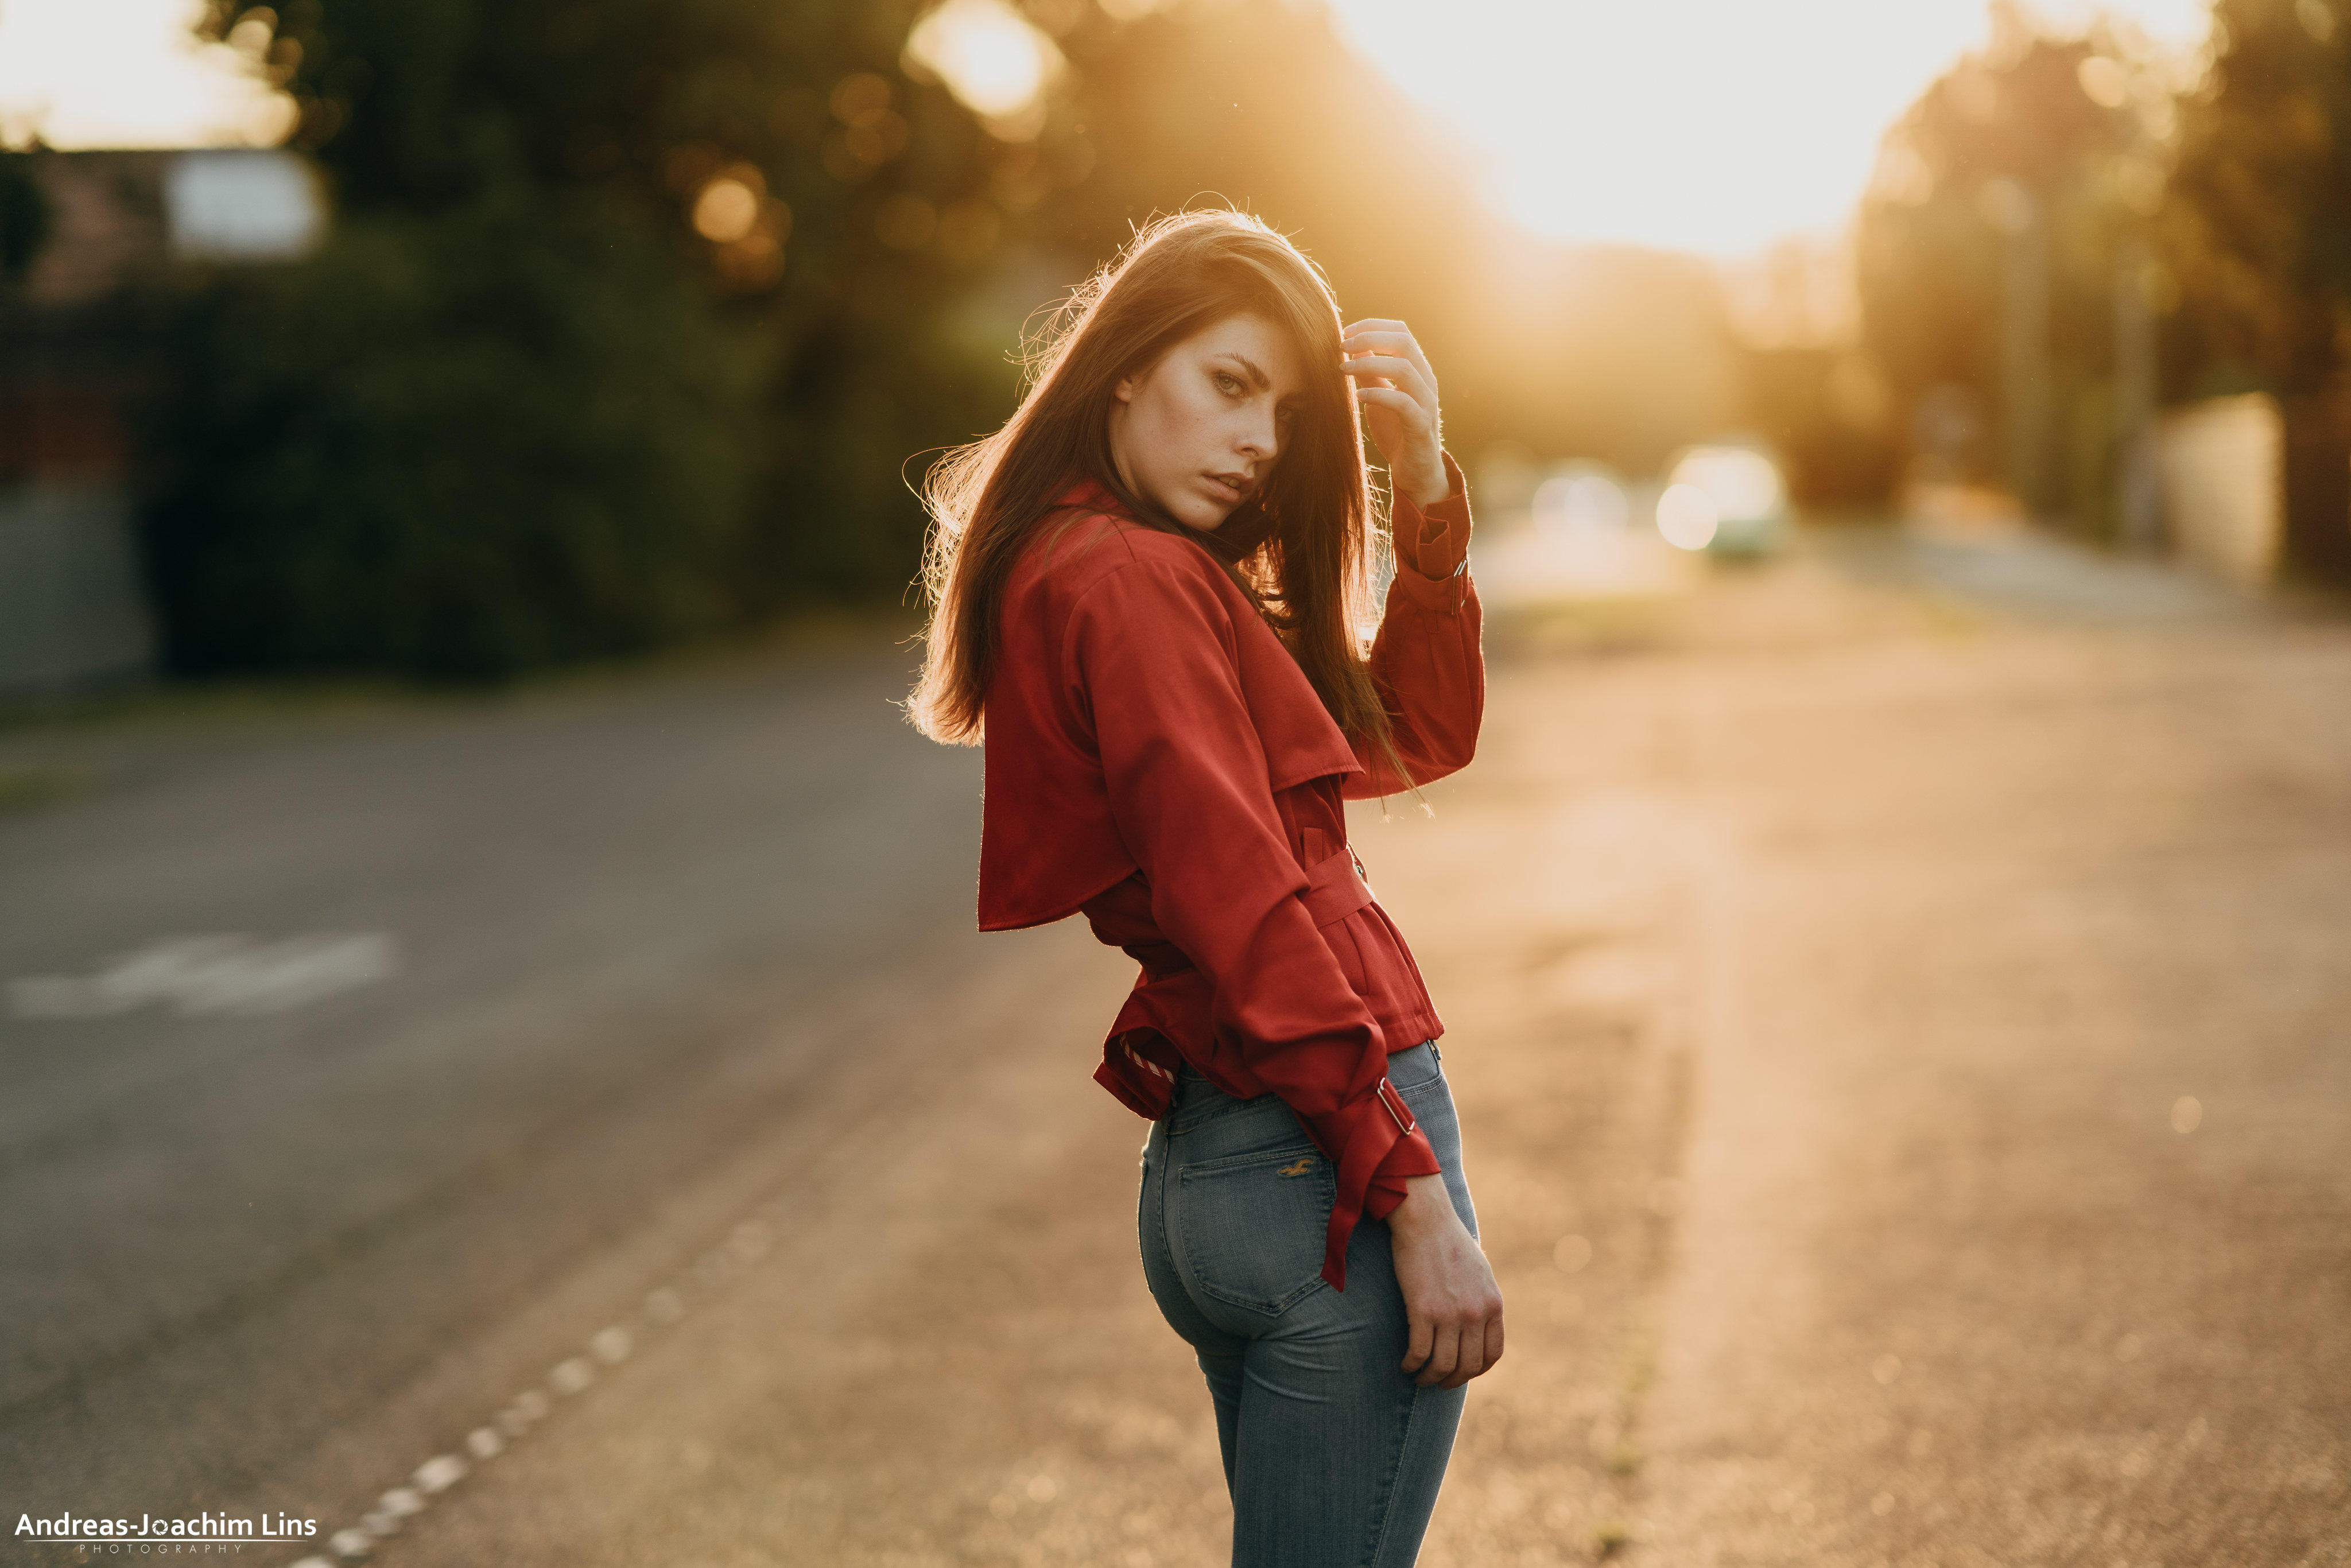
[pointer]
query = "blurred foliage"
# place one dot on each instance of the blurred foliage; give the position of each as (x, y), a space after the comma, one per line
(635, 312)
(2047, 141)
(518, 409)
(456, 446)
(2257, 236)
(1826, 411)
(25, 217)
(2257, 228)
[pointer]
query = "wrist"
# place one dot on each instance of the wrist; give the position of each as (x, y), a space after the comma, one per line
(1425, 1204)
(1427, 489)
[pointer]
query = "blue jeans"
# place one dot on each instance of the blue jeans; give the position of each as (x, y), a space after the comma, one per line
(1333, 1454)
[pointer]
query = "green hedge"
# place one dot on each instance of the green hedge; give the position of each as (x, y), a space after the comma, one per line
(452, 447)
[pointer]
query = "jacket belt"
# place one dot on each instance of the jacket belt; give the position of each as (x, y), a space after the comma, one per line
(1335, 888)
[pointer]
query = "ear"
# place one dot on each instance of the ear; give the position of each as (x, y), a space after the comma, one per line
(1125, 391)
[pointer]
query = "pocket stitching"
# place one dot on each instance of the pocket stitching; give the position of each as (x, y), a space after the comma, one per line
(1327, 1184)
(1287, 1154)
(1436, 1075)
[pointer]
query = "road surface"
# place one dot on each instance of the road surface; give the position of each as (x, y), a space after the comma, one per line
(1897, 998)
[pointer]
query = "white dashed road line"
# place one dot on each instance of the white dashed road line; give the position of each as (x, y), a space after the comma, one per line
(663, 1307)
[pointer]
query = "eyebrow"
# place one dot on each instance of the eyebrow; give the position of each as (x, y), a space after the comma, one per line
(1259, 376)
(1264, 383)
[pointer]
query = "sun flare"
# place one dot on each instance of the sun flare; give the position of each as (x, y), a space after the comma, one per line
(1713, 126)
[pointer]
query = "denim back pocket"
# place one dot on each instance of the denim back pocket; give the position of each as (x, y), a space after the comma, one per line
(1254, 1225)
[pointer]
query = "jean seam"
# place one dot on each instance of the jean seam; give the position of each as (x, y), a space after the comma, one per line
(1159, 1221)
(1181, 1121)
(1388, 1487)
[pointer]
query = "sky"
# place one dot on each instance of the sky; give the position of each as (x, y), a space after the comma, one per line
(1713, 126)
(127, 73)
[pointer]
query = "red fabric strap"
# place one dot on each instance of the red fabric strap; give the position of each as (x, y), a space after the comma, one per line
(1335, 888)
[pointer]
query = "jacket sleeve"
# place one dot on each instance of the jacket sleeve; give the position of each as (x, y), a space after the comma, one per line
(1426, 662)
(1150, 660)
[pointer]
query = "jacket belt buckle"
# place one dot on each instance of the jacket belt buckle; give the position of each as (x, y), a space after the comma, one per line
(1404, 1120)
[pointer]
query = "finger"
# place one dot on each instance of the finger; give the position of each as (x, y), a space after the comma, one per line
(1403, 344)
(1373, 324)
(1445, 1354)
(1409, 408)
(1472, 1358)
(1493, 1341)
(1402, 373)
(1419, 1344)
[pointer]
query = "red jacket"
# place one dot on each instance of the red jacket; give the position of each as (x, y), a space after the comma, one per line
(1157, 760)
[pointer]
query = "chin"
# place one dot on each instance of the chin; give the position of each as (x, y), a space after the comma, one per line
(1201, 516)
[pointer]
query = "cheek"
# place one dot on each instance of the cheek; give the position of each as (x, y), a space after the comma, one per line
(1177, 418)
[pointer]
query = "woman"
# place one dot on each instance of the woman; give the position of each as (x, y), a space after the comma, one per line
(1148, 587)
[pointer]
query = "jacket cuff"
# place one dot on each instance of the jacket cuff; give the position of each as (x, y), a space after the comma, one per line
(1433, 541)
(1360, 1137)
(1411, 1157)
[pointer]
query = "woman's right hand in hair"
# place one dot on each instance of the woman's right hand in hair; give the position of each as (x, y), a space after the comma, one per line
(1449, 1295)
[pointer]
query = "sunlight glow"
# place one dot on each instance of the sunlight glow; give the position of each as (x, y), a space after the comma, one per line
(1586, 501)
(1714, 126)
(128, 73)
(991, 58)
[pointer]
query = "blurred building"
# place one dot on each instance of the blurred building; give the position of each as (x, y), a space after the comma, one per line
(101, 240)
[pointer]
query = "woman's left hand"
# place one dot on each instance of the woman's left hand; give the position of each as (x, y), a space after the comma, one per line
(1398, 395)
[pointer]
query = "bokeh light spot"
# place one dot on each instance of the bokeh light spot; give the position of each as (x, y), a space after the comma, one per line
(2186, 1113)
(2103, 81)
(1687, 517)
(1587, 503)
(991, 59)
(860, 98)
(727, 210)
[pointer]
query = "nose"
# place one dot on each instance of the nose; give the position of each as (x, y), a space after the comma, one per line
(1260, 434)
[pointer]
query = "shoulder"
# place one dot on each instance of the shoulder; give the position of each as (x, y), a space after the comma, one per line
(1101, 557)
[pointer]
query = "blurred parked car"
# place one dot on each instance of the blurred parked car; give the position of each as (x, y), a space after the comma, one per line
(1727, 498)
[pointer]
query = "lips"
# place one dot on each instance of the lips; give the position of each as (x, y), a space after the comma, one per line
(1233, 487)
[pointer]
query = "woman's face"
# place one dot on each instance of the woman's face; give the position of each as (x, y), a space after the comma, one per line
(1198, 432)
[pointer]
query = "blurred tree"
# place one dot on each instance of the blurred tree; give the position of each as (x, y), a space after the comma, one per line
(453, 446)
(2259, 227)
(838, 236)
(24, 216)
(2001, 211)
(619, 337)
(1824, 411)
(2257, 238)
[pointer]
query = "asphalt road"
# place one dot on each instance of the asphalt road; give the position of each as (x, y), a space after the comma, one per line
(604, 933)
(1895, 999)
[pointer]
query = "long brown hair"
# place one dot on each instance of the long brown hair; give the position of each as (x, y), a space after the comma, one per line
(1302, 544)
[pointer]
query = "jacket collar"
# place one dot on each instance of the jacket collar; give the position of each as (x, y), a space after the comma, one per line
(1085, 493)
(1238, 539)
